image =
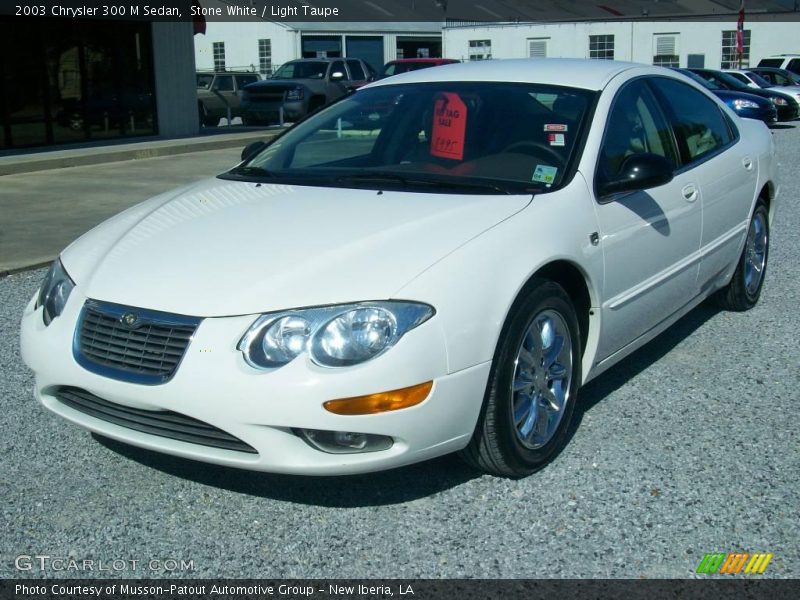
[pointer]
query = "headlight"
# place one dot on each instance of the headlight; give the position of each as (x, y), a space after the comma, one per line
(54, 292)
(740, 104)
(333, 336)
(295, 94)
(779, 101)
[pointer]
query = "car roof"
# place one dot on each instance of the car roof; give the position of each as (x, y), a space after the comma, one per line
(325, 60)
(572, 72)
(422, 60)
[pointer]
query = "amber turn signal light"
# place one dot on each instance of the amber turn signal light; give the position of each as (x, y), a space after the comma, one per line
(380, 402)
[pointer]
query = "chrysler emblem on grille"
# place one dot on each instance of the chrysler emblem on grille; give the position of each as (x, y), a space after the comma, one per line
(129, 319)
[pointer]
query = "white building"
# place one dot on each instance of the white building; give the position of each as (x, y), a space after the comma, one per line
(264, 45)
(684, 43)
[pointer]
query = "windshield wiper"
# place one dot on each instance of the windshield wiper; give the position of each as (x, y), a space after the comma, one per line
(378, 177)
(249, 170)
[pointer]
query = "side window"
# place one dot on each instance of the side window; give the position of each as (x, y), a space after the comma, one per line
(794, 65)
(243, 80)
(355, 70)
(338, 66)
(699, 124)
(223, 83)
(635, 125)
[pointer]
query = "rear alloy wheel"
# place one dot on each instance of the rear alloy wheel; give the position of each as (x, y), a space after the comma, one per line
(532, 387)
(744, 289)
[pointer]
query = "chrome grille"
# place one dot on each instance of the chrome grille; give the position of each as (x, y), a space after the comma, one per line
(131, 344)
(161, 423)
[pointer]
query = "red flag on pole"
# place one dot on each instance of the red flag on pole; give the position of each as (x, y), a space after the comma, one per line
(740, 32)
(198, 21)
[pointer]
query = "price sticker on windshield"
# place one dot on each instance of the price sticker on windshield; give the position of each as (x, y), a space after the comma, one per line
(449, 126)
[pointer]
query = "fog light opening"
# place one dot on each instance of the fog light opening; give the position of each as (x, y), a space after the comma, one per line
(345, 442)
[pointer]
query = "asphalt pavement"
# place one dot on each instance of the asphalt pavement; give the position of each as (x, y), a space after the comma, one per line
(42, 211)
(688, 446)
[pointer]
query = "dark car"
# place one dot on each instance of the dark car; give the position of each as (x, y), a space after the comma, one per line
(788, 108)
(777, 76)
(404, 65)
(301, 87)
(744, 104)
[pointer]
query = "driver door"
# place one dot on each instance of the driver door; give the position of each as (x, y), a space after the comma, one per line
(650, 238)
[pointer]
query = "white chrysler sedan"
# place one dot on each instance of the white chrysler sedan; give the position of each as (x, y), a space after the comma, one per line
(435, 263)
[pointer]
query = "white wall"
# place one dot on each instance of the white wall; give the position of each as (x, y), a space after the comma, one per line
(241, 44)
(632, 40)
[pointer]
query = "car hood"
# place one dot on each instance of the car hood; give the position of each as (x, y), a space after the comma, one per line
(223, 248)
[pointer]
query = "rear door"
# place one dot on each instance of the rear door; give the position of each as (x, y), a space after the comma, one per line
(727, 173)
(358, 74)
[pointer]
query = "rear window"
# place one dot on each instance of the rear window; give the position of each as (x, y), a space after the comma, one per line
(770, 62)
(794, 65)
(245, 79)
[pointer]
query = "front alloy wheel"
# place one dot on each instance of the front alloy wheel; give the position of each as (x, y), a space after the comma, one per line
(532, 386)
(542, 377)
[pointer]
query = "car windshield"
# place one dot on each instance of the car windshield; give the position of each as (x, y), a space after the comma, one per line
(472, 137)
(302, 70)
(704, 82)
(725, 80)
(758, 80)
(397, 68)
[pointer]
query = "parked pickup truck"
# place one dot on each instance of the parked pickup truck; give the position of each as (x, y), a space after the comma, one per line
(300, 87)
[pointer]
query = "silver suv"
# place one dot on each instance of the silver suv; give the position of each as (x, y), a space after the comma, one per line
(218, 90)
(790, 62)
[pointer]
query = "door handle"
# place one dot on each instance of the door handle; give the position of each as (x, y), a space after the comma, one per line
(690, 192)
(747, 163)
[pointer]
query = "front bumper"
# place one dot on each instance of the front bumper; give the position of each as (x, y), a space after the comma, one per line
(263, 408)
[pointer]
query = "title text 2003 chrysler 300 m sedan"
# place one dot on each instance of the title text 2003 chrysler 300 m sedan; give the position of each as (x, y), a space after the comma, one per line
(435, 263)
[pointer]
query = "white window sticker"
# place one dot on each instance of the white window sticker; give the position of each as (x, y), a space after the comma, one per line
(544, 174)
(556, 139)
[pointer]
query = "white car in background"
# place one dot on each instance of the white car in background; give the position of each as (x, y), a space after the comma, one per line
(755, 81)
(435, 263)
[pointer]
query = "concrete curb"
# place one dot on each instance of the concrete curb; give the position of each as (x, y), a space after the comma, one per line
(76, 157)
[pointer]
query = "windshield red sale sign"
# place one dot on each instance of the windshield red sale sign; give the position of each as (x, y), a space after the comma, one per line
(449, 127)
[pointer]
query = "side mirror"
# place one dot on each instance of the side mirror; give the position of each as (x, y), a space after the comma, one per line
(252, 149)
(639, 172)
(337, 75)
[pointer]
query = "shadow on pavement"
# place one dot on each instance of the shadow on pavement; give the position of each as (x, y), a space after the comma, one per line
(406, 483)
(372, 489)
(618, 375)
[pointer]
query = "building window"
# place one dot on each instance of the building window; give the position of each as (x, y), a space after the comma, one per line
(537, 48)
(665, 50)
(601, 47)
(730, 59)
(265, 57)
(219, 56)
(480, 49)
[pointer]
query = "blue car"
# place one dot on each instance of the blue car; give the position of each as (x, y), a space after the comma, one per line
(745, 105)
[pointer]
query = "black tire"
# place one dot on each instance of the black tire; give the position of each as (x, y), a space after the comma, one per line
(496, 446)
(742, 293)
(205, 118)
